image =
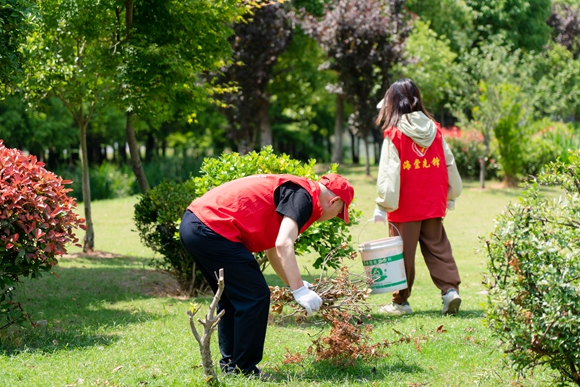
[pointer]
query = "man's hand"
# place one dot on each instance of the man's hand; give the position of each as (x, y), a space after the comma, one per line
(308, 299)
(380, 216)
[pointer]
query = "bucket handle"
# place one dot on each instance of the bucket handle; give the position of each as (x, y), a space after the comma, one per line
(371, 220)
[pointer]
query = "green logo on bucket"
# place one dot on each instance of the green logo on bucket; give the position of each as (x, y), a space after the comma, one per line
(377, 274)
(380, 261)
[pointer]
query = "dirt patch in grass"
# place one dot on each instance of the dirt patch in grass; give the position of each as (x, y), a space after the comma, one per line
(161, 284)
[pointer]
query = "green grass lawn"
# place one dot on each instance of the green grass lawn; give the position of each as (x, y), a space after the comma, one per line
(115, 321)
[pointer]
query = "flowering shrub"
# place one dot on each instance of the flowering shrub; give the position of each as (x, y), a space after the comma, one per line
(467, 149)
(36, 223)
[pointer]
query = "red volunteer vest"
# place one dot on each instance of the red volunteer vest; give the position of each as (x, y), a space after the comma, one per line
(424, 182)
(250, 218)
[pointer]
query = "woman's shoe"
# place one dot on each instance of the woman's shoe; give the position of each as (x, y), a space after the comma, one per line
(396, 309)
(451, 302)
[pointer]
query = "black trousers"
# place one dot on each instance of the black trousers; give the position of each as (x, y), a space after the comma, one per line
(246, 297)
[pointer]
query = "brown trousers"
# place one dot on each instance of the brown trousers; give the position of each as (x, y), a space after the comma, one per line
(436, 249)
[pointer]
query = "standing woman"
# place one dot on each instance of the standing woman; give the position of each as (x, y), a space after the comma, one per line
(417, 182)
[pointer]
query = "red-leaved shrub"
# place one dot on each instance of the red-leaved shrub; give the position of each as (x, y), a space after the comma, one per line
(37, 221)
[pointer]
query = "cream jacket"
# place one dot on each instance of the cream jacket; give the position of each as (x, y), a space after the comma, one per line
(422, 131)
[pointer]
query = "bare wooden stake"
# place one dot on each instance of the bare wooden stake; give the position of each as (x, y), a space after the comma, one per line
(210, 324)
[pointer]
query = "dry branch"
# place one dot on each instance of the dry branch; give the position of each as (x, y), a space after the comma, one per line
(210, 324)
(345, 308)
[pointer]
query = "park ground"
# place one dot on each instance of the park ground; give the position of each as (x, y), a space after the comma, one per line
(112, 320)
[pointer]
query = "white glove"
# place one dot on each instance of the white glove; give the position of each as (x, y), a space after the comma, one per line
(380, 215)
(307, 284)
(307, 298)
(450, 204)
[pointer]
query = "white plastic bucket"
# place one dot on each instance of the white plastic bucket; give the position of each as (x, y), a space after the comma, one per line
(384, 265)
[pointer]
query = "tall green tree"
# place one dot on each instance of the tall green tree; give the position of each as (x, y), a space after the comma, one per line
(162, 47)
(68, 58)
(451, 20)
(317, 8)
(524, 22)
(480, 102)
(301, 110)
(557, 84)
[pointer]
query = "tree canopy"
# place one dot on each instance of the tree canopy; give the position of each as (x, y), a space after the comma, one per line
(195, 78)
(15, 24)
(522, 21)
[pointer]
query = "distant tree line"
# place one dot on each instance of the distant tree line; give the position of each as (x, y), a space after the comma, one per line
(134, 81)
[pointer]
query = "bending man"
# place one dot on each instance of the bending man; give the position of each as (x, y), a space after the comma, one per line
(257, 213)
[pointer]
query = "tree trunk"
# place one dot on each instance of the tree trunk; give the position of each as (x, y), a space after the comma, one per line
(368, 157)
(89, 240)
(354, 148)
(338, 130)
(53, 159)
(163, 148)
(128, 18)
(482, 173)
(265, 127)
(241, 144)
(122, 148)
(246, 145)
(482, 162)
(135, 157)
(149, 147)
(510, 181)
(83, 122)
(129, 129)
(377, 134)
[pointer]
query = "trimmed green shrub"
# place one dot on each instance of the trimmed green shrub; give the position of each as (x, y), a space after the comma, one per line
(37, 221)
(534, 275)
(159, 211)
(321, 237)
(157, 217)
